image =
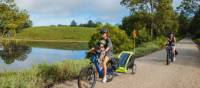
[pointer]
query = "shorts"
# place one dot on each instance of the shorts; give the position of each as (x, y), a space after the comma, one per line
(109, 54)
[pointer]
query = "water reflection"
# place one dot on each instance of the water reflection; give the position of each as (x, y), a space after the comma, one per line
(12, 51)
(17, 56)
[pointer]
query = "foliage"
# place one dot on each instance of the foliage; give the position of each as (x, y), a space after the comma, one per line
(148, 47)
(119, 38)
(183, 24)
(42, 75)
(13, 50)
(195, 25)
(143, 36)
(189, 7)
(165, 18)
(11, 18)
(91, 24)
(137, 21)
(60, 71)
(73, 23)
(139, 5)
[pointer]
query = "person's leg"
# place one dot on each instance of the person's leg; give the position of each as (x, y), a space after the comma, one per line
(173, 48)
(102, 55)
(105, 68)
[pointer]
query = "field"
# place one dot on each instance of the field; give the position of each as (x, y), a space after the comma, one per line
(56, 34)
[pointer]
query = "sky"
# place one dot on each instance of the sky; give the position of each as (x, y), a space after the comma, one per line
(53, 12)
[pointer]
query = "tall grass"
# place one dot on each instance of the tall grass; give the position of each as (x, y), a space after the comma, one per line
(42, 75)
(57, 33)
(197, 41)
(149, 47)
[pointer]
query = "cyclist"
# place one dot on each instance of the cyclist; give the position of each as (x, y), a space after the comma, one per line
(107, 51)
(171, 42)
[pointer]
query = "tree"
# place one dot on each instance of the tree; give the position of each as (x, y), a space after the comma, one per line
(11, 18)
(183, 24)
(73, 23)
(139, 5)
(142, 6)
(195, 24)
(91, 23)
(137, 21)
(189, 7)
(165, 18)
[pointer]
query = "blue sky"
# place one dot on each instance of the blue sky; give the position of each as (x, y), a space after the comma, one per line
(53, 12)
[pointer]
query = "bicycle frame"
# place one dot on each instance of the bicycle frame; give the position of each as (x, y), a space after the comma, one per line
(170, 53)
(97, 66)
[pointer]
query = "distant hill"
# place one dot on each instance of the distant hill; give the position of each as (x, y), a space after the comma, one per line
(56, 33)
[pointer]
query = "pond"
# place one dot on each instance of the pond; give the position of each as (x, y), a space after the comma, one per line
(20, 57)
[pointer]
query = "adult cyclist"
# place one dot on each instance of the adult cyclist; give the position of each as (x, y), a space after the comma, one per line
(171, 41)
(108, 51)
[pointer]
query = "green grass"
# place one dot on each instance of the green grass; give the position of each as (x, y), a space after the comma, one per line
(197, 41)
(150, 47)
(42, 75)
(56, 33)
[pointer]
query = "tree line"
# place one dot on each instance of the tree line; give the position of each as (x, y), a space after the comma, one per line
(90, 23)
(158, 18)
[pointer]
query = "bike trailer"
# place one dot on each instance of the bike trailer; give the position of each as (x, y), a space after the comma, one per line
(125, 60)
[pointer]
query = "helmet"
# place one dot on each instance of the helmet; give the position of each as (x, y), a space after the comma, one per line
(102, 42)
(169, 33)
(103, 31)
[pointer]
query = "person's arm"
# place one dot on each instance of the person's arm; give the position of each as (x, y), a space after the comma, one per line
(166, 43)
(91, 49)
(174, 40)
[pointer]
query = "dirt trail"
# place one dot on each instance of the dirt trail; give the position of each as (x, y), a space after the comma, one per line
(153, 73)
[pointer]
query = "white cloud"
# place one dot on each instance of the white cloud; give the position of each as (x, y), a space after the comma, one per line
(100, 10)
(47, 12)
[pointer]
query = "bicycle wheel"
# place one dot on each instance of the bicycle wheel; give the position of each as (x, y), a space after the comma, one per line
(109, 72)
(168, 57)
(133, 69)
(87, 78)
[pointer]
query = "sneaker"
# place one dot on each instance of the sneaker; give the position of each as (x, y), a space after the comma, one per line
(104, 79)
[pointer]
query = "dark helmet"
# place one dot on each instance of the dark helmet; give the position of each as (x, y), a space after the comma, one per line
(169, 34)
(103, 31)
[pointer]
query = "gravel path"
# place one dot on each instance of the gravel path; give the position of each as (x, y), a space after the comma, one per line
(153, 73)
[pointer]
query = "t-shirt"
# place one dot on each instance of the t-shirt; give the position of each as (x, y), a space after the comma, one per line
(109, 44)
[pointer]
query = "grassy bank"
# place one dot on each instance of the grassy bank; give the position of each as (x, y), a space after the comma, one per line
(42, 75)
(65, 45)
(150, 47)
(59, 34)
(197, 41)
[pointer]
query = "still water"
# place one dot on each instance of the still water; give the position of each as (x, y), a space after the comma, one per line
(24, 57)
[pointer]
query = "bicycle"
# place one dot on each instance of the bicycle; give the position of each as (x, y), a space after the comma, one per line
(170, 54)
(87, 76)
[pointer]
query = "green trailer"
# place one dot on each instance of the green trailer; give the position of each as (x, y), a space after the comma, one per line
(126, 61)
